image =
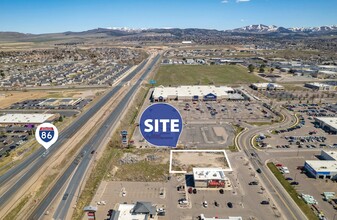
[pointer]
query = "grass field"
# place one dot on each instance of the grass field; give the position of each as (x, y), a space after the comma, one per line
(193, 75)
(292, 192)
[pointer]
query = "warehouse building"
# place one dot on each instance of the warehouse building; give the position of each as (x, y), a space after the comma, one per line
(27, 118)
(194, 93)
(320, 86)
(266, 86)
(328, 124)
(209, 178)
(60, 102)
(325, 168)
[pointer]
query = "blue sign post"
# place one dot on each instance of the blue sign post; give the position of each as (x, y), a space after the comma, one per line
(161, 125)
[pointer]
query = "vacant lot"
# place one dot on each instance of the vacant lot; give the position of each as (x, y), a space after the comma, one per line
(191, 75)
(187, 159)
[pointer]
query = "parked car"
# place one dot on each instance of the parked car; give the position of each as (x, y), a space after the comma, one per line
(221, 191)
(294, 183)
(230, 205)
(259, 170)
(190, 190)
(205, 204)
(254, 183)
(216, 203)
(289, 178)
(194, 191)
(265, 202)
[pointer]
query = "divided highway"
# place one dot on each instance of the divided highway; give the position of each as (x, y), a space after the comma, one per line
(36, 160)
(78, 168)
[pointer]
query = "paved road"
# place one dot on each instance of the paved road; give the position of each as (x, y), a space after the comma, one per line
(279, 195)
(36, 160)
(80, 165)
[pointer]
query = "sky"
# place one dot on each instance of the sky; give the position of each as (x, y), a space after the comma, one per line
(51, 16)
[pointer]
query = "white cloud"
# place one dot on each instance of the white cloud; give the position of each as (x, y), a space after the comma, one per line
(224, 1)
(237, 1)
(242, 20)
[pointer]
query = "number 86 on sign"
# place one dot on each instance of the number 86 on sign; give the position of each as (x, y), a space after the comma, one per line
(46, 134)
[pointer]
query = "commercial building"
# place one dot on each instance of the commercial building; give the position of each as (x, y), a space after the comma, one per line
(202, 217)
(320, 86)
(325, 168)
(209, 178)
(194, 93)
(266, 86)
(60, 102)
(27, 118)
(328, 124)
(138, 211)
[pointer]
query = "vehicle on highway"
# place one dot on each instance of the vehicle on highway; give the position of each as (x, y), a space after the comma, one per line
(294, 183)
(264, 202)
(230, 205)
(253, 183)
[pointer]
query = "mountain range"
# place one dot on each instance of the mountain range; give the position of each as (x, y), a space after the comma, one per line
(178, 33)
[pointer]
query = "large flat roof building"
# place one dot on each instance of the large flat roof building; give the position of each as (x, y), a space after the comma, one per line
(320, 86)
(266, 86)
(195, 93)
(329, 124)
(26, 118)
(324, 169)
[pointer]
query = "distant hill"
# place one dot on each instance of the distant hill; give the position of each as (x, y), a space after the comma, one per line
(177, 33)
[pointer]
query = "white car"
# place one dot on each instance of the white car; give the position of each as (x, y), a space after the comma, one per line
(205, 204)
(285, 170)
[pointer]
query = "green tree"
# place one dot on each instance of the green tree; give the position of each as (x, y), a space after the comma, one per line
(251, 68)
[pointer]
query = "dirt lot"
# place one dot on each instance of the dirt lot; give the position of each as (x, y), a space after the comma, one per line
(9, 97)
(186, 160)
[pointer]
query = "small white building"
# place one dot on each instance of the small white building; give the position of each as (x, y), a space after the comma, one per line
(209, 178)
(202, 217)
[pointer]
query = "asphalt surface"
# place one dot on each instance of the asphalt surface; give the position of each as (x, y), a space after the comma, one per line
(80, 164)
(284, 202)
(37, 159)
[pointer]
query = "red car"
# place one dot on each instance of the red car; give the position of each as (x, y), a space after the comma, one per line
(190, 190)
(279, 165)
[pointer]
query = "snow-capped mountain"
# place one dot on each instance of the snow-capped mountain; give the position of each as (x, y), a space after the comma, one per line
(261, 28)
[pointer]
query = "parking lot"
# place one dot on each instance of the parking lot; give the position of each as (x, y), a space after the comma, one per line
(43, 104)
(306, 134)
(307, 185)
(245, 199)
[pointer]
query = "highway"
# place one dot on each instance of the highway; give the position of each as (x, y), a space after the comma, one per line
(282, 199)
(35, 160)
(80, 165)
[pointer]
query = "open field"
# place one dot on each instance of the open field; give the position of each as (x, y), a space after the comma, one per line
(183, 161)
(215, 74)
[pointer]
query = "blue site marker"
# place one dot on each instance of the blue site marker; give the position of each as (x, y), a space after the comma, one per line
(161, 125)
